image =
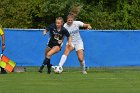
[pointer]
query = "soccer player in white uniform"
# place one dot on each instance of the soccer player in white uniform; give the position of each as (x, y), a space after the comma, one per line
(77, 43)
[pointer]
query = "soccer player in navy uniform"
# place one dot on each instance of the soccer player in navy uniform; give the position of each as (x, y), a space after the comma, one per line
(57, 33)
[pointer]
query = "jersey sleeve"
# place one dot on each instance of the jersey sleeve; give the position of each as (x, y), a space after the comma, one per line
(64, 25)
(49, 27)
(1, 31)
(67, 34)
(79, 23)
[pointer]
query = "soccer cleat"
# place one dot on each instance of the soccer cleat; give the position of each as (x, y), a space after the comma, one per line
(49, 68)
(84, 72)
(41, 68)
(54, 67)
(40, 71)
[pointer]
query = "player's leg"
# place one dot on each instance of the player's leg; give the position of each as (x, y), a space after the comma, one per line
(54, 50)
(80, 53)
(68, 49)
(45, 61)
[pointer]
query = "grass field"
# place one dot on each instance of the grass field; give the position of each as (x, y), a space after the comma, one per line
(98, 80)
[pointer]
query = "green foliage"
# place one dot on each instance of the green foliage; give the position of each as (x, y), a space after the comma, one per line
(101, 14)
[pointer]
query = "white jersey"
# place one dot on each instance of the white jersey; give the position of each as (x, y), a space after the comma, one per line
(74, 31)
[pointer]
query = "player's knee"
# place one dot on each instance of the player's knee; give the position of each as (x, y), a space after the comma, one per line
(48, 55)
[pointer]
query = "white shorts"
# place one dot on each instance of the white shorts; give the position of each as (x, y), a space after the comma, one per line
(77, 46)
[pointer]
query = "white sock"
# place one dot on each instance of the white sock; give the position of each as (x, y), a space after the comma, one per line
(83, 66)
(63, 60)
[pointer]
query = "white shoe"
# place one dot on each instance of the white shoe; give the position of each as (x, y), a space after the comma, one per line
(84, 72)
(54, 67)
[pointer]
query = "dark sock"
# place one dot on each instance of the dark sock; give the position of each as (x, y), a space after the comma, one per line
(49, 66)
(42, 66)
(46, 62)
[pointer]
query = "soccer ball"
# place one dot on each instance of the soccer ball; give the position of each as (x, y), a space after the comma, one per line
(58, 69)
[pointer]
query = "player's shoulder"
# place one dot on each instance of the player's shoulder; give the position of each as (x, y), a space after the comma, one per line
(1, 29)
(64, 29)
(52, 25)
(77, 22)
(65, 24)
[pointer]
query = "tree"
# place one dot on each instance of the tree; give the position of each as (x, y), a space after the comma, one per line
(101, 14)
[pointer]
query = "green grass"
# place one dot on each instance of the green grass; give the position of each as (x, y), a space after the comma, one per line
(98, 80)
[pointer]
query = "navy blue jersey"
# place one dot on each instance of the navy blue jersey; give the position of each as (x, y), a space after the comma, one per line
(57, 35)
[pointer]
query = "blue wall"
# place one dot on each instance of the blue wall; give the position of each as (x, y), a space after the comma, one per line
(102, 48)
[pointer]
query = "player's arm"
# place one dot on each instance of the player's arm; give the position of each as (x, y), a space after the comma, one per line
(88, 26)
(69, 40)
(3, 42)
(81, 24)
(45, 32)
(47, 29)
(3, 38)
(68, 37)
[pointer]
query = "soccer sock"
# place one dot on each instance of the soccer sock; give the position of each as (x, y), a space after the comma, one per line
(43, 64)
(83, 66)
(63, 60)
(48, 65)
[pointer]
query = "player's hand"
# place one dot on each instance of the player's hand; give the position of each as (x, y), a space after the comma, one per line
(3, 47)
(44, 32)
(89, 27)
(60, 41)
